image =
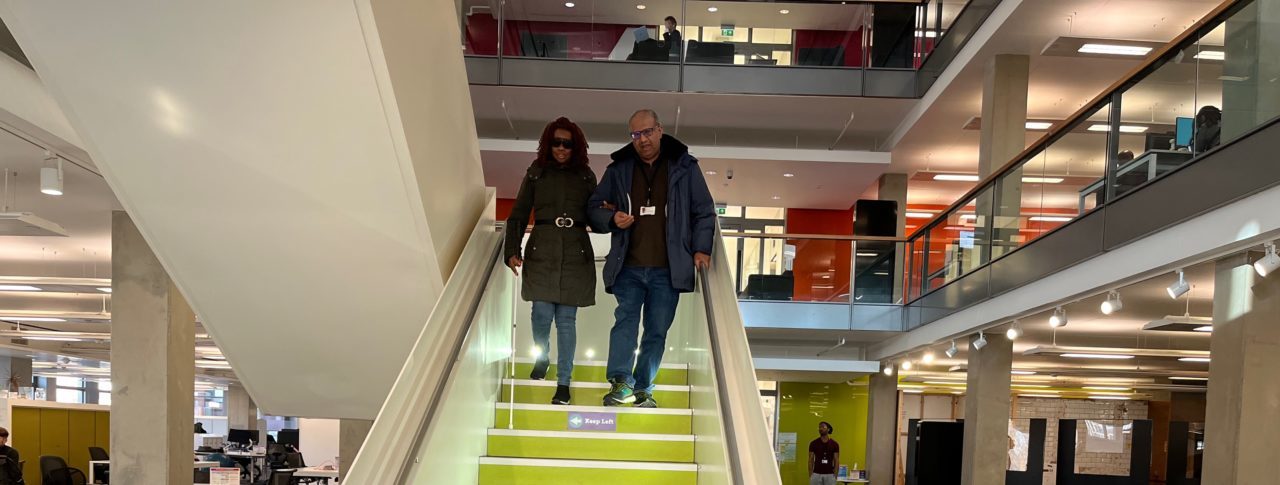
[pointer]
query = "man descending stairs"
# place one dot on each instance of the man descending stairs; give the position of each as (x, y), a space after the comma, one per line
(535, 442)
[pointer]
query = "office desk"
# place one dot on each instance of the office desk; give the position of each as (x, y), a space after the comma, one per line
(316, 472)
(93, 465)
(247, 456)
(1138, 171)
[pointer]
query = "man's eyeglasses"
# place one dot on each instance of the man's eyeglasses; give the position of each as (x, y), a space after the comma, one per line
(645, 133)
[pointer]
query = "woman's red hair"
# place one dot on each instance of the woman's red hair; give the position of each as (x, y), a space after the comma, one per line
(577, 156)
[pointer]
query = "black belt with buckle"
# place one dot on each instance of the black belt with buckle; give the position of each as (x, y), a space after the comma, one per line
(562, 222)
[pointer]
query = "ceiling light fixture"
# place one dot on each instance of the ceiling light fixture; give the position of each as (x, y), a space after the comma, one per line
(906, 365)
(1269, 263)
(777, 197)
(1097, 356)
(1180, 287)
(1212, 55)
(1052, 396)
(788, 175)
(952, 177)
(1107, 388)
(641, 7)
(912, 391)
(712, 9)
(927, 357)
(105, 289)
(710, 172)
(1103, 127)
(1059, 318)
(52, 339)
(951, 352)
(1017, 372)
(51, 177)
(1206, 328)
(18, 288)
(784, 11)
(1113, 303)
(1108, 398)
(888, 370)
(1194, 359)
(981, 342)
(1042, 180)
(1013, 332)
(1050, 218)
(569, 4)
(34, 319)
(919, 215)
(1180, 378)
(866, 255)
(1039, 125)
(1114, 50)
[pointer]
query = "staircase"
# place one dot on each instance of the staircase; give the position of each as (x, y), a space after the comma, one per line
(587, 443)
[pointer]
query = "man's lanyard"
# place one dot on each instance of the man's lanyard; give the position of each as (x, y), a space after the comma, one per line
(648, 180)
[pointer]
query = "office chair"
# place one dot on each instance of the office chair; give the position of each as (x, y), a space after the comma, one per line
(294, 460)
(54, 471)
(279, 477)
(98, 454)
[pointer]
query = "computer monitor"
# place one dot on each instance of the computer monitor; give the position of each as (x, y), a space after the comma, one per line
(242, 436)
(1185, 129)
(288, 437)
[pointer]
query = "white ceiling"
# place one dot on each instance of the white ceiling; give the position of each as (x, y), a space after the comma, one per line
(1058, 85)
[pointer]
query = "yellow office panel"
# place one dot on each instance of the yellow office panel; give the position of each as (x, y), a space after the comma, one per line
(54, 428)
(82, 433)
(26, 439)
(103, 438)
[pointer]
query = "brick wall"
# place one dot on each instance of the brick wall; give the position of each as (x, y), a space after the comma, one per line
(1112, 412)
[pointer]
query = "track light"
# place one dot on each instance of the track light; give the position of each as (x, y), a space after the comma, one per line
(906, 365)
(1269, 263)
(1180, 288)
(51, 177)
(1059, 318)
(927, 357)
(1113, 303)
(981, 342)
(1014, 331)
(888, 370)
(951, 352)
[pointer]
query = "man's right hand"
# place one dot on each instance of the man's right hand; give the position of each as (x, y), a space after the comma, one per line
(515, 262)
(623, 220)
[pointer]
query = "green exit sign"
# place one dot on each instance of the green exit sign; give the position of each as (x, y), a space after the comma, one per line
(726, 32)
(720, 210)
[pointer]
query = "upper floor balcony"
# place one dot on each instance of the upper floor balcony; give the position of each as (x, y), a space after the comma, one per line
(827, 48)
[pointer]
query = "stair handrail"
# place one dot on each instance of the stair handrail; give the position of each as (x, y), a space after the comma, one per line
(749, 447)
(388, 453)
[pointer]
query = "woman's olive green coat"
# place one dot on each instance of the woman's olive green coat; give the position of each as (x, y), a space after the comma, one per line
(559, 265)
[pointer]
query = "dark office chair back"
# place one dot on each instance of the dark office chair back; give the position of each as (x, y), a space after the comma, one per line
(293, 460)
(281, 477)
(98, 454)
(54, 471)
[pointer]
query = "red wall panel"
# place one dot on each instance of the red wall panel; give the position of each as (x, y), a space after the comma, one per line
(820, 268)
(852, 42)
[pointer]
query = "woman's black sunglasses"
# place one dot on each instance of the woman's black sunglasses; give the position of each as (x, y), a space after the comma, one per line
(561, 142)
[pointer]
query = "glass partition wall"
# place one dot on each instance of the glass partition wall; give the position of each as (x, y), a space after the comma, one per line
(1211, 87)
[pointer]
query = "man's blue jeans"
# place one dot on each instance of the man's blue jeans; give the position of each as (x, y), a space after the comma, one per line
(566, 318)
(647, 293)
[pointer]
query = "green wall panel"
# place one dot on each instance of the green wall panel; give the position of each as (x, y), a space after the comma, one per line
(82, 433)
(803, 405)
(54, 427)
(59, 432)
(102, 435)
(26, 438)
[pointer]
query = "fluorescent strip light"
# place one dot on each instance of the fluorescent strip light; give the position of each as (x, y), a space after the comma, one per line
(19, 288)
(1114, 50)
(1098, 356)
(866, 255)
(34, 319)
(945, 383)
(1050, 396)
(1039, 125)
(919, 215)
(1206, 328)
(1022, 372)
(1109, 398)
(52, 339)
(1194, 359)
(1212, 55)
(969, 216)
(1033, 386)
(1106, 388)
(1177, 378)
(912, 391)
(929, 34)
(1103, 127)
(1042, 180)
(1050, 218)
(105, 290)
(951, 177)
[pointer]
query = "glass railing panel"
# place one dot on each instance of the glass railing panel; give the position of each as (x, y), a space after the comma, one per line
(1156, 122)
(960, 241)
(914, 278)
(777, 269)
(480, 30)
(875, 271)
(810, 34)
(598, 30)
(1247, 82)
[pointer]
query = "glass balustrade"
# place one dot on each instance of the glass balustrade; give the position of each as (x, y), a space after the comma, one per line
(829, 269)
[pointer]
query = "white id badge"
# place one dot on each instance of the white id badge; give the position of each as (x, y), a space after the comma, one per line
(824, 462)
(648, 210)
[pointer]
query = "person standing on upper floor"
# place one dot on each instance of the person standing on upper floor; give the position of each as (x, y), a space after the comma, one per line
(672, 39)
(559, 264)
(655, 201)
(824, 457)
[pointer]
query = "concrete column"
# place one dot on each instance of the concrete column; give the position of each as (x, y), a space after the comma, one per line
(1251, 96)
(882, 428)
(1243, 410)
(986, 412)
(1004, 136)
(242, 412)
(893, 186)
(351, 435)
(152, 365)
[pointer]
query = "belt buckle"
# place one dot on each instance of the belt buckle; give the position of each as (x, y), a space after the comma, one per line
(564, 222)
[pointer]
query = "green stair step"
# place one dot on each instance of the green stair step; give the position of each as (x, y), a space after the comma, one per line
(594, 371)
(586, 393)
(533, 471)
(587, 445)
(548, 417)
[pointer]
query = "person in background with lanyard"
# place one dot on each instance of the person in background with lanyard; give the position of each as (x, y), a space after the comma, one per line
(10, 470)
(655, 201)
(824, 457)
(560, 267)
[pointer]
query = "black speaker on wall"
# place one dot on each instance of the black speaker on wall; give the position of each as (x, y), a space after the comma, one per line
(874, 261)
(936, 461)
